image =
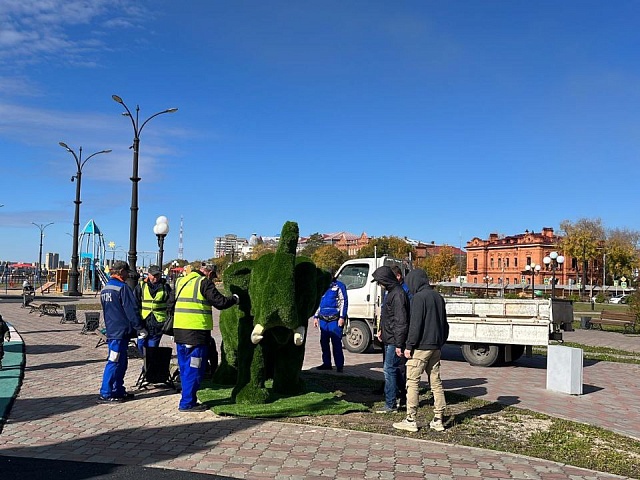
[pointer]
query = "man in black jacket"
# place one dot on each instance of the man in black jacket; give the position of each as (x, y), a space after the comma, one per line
(428, 332)
(393, 325)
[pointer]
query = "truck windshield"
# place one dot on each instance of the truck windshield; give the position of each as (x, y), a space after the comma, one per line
(354, 276)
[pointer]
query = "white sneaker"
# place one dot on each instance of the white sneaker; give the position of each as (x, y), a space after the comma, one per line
(436, 424)
(407, 424)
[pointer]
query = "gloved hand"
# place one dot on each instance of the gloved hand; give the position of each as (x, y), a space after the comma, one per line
(143, 333)
(236, 298)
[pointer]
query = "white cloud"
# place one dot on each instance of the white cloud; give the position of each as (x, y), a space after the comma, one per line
(32, 31)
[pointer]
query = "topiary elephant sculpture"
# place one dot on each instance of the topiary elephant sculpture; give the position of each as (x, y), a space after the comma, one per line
(264, 336)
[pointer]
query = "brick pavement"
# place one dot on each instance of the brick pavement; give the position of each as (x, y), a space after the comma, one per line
(55, 417)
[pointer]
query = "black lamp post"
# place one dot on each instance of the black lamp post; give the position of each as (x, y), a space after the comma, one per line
(533, 269)
(488, 280)
(161, 229)
(133, 229)
(74, 274)
(41, 227)
(554, 261)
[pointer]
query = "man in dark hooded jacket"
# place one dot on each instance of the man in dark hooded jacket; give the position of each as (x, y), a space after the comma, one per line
(428, 332)
(393, 325)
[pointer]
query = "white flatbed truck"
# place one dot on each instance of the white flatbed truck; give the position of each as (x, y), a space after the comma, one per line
(490, 331)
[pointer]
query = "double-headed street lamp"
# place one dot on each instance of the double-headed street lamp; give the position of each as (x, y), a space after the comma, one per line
(488, 280)
(74, 274)
(533, 269)
(41, 227)
(161, 229)
(554, 260)
(133, 229)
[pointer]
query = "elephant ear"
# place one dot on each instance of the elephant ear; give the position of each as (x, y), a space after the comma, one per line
(236, 280)
(307, 298)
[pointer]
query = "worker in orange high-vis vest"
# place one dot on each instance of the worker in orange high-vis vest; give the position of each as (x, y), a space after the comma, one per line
(190, 302)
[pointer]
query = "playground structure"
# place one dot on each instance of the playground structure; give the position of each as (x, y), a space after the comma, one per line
(92, 253)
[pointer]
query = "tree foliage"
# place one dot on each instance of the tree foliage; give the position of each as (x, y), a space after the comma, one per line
(621, 250)
(583, 239)
(314, 242)
(329, 257)
(442, 266)
(260, 250)
(393, 246)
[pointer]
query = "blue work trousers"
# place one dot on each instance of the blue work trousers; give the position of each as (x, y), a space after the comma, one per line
(114, 370)
(331, 337)
(148, 341)
(393, 369)
(192, 362)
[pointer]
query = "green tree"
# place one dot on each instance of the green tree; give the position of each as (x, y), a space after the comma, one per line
(622, 254)
(442, 266)
(329, 257)
(314, 242)
(393, 246)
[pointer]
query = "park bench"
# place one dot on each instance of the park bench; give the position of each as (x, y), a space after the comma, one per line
(618, 319)
(44, 308)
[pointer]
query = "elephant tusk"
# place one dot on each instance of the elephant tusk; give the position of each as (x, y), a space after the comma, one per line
(298, 336)
(256, 334)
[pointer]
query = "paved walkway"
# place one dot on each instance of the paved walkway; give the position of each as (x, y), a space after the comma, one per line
(55, 417)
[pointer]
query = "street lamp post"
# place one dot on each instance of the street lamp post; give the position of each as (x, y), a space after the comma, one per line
(554, 261)
(41, 227)
(533, 269)
(132, 279)
(74, 274)
(161, 229)
(488, 280)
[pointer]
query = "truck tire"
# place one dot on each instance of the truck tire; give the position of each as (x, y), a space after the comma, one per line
(358, 338)
(482, 355)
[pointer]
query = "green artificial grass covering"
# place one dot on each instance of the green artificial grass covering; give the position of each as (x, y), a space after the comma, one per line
(315, 401)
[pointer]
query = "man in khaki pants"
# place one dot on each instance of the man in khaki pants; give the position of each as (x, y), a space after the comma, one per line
(428, 332)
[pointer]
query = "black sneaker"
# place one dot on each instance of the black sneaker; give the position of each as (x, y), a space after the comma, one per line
(324, 367)
(109, 400)
(198, 408)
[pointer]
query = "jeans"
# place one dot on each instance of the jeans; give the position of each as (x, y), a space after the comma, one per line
(424, 361)
(393, 375)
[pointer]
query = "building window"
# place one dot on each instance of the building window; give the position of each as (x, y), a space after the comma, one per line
(499, 262)
(515, 262)
(475, 279)
(528, 260)
(491, 262)
(506, 281)
(475, 264)
(506, 262)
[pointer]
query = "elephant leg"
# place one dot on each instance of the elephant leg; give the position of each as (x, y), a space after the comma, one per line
(288, 365)
(253, 391)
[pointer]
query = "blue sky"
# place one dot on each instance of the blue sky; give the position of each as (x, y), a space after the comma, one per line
(439, 121)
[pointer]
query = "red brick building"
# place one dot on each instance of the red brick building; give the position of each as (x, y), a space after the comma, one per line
(503, 259)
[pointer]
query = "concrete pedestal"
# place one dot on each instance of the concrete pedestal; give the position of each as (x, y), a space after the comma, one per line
(564, 369)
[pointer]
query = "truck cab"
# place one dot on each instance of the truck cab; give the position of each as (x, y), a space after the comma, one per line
(365, 299)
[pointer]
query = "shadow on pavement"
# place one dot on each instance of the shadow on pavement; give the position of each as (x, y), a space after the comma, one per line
(27, 468)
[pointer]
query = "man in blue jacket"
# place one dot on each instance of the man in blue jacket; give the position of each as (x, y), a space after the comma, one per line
(428, 332)
(122, 321)
(330, 318)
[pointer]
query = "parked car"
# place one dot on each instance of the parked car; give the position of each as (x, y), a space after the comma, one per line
(622, 298)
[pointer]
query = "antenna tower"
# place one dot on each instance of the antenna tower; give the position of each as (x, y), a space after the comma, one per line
(180, 245)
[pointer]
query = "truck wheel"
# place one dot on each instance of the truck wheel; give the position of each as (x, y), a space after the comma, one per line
(481, 354)
(358, 339)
